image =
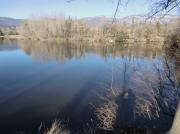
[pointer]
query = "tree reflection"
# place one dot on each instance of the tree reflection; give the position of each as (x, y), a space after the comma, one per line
(64, 51)
(151, 93)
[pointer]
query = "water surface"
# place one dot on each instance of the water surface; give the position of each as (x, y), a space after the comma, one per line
(41, 82)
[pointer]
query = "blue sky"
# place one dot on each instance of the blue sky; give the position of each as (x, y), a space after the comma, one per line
(76, 8)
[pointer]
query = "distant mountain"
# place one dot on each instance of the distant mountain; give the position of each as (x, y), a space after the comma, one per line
(9, 22)
(102, 20)
(143, 18)
(97, 21)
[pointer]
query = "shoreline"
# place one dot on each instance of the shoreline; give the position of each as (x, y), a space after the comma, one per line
(19, 37)
(128, 42)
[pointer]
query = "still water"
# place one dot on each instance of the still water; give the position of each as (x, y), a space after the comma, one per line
(41, 82)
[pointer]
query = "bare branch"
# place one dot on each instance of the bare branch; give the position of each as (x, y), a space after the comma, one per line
(117, 7)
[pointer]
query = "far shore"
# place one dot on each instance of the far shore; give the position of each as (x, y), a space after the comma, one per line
(19, 37)
(107, 41)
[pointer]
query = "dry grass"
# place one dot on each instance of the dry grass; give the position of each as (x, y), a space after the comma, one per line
(57, 128)
(146, 104)
(106, 113)
(147, 108)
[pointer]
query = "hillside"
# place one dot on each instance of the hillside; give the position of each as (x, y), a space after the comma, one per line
(101, 20)
(9, 22)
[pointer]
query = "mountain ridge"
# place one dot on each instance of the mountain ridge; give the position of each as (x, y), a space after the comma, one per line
(140, 18)
(100, 20)
(10, 22)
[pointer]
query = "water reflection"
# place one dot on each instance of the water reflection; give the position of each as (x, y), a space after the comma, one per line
(67, 50)
(33, 91)
(8, 45)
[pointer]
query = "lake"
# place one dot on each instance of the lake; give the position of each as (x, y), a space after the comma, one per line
(44, 81)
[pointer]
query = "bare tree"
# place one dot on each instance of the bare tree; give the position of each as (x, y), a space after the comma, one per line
(158, 7)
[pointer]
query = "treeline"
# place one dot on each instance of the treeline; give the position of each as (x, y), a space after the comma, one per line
(54, 28)
(44, 28)
(5, 31)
